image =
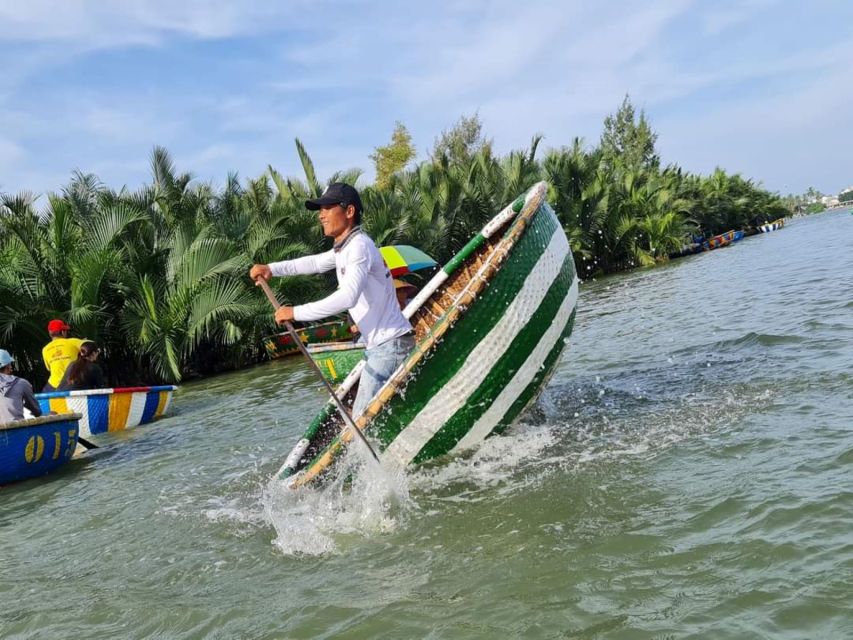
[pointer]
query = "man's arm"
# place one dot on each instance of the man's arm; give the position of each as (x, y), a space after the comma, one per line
(318, 263)
(345, 296)
(307, 265)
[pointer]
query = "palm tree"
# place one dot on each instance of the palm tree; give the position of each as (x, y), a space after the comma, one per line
(158, 275)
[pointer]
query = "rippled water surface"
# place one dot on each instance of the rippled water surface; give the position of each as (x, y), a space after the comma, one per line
(688, 473)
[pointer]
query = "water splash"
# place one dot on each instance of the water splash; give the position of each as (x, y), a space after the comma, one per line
(362, 498)
(500, 464)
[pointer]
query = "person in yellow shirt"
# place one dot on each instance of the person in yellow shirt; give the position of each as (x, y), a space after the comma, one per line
(59, 352)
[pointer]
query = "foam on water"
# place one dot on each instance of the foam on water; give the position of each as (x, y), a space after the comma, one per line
(583, 427)
(498, 464)
(362, 498)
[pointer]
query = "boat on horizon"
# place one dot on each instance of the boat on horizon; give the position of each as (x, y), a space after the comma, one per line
(771, 226)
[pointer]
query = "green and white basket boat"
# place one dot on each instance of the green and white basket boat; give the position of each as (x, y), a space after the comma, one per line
(336, 359)
(489, 330)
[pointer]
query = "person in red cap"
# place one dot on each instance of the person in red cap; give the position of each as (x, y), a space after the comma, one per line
(59, 352)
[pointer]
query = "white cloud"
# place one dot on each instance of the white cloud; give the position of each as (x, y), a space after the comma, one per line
(103, 24)
(11, 154)
(541, 66)
(719, 19)
(776, 139)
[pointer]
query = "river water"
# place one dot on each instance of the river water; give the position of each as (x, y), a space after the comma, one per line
(688, 473)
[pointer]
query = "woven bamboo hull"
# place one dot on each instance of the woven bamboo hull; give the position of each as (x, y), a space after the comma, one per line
(479, 361)
(282, 344)
(104, 410)
(36, 446)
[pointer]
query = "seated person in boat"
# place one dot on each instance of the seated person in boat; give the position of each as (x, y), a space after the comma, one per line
(404, 291)
(59, 352)
(84, 373)
(15, 393)
(365, 289)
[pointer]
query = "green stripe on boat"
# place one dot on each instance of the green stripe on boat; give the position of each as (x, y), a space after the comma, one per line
(483, 350)
(460, 341)
(508, 378)
(540, 380)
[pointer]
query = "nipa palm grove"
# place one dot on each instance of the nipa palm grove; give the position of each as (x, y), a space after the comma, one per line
(158, 276)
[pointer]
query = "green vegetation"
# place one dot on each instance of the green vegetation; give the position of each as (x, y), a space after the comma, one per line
(158, 275)
(394, 156)
(846, 196)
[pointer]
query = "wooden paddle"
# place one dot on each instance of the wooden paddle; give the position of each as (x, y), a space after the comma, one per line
(87, 443)
(263, 284)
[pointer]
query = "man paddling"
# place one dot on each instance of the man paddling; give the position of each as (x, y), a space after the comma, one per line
(365, 289)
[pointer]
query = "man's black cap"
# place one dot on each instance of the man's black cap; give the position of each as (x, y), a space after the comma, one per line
(336, 193)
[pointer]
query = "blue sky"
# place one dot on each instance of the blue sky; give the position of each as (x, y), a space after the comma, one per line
(760, 87)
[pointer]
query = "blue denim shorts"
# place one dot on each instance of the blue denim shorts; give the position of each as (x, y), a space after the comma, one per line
(382, 362)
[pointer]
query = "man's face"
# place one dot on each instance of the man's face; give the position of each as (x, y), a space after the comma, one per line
(335, 219)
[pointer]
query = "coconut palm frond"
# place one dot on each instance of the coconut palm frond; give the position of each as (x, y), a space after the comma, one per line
(314, 187)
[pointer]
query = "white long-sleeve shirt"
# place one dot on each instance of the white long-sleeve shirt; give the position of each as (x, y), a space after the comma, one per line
(365, 289)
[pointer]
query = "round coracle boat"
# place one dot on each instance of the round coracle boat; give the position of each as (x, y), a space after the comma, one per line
(104, 410)
(281, 344)
(489, 330)
(36, 446)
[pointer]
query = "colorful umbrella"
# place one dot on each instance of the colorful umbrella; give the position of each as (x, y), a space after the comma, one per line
(402, 259)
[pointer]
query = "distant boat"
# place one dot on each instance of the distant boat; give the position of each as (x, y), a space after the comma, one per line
(103, 410)
(36, 446)
(281, 344)
(721, 240)
(688, 250)
(336, 359)
(772, 226)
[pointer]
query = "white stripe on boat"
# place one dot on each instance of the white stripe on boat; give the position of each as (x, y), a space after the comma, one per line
(523, 377)
(80, 404)
(137, 408)
(454, 394)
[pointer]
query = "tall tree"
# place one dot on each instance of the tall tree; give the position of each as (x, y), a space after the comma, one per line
(461, 142)
(629, 138)
(394, 156)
